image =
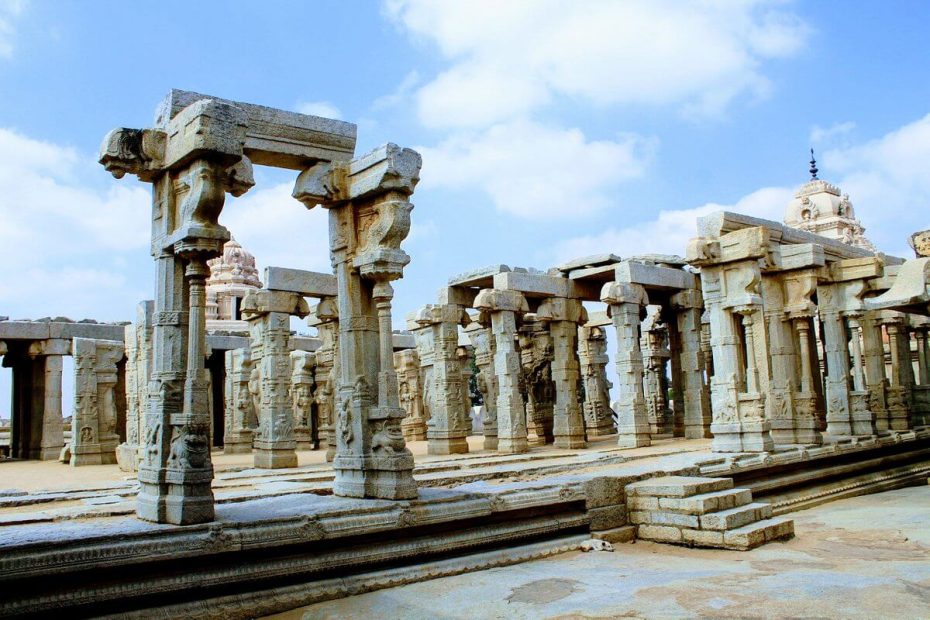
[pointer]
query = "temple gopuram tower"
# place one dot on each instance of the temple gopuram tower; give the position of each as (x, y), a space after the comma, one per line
(820, 208)
(232, 276)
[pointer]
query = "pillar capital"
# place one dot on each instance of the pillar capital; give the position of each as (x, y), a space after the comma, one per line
(257, 304)
(624, 293)
(562, 309)
(496, 300)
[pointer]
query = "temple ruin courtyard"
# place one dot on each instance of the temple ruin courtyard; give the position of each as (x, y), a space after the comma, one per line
(732, 424)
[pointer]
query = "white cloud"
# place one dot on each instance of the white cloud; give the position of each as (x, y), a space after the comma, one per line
(59, 233)
(278, 229)
(670, 232)
(820, 134)
(533, 170)
(319, 108)
(887, 180)
(400, 93)
(9, 11)
(508, 59)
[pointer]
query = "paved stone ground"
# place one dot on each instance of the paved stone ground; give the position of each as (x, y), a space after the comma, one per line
(865, 557)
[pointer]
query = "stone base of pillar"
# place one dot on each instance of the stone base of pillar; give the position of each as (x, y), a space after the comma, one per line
(378, 477)
(490, 441)
(633, 440)
(49, 453)
(241, 444)
(275, 458)
(303, 438)
(602, 430)
(516, 445)
(742, 437)
(413, 431)
(127, 456)
(330, 454)
(447, 445)
(570, 442)
(697, 431)
(188, 508)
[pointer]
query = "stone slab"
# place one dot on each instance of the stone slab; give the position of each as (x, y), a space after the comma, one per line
(483, 277)
(758, 533)
(306, 283)
(678, 486)
(703, 503)
(733, 518)
(654, 276)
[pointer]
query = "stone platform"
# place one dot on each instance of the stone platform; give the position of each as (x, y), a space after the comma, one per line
(281, 540)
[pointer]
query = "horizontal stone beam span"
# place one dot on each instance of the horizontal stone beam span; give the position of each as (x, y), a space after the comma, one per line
(718, 224)
(857, 269)
(600, 275)
(653, 276)
(535, 285)
(481, 278)
(306, 283)
(277, 137)
(457, 295)
(594, 260)
(403, 341)
(800, 256)
(41, 330)
(216, 342)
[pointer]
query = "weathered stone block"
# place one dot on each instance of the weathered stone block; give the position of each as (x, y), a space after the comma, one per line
(643, 503)
(604, 491)
(735, 517)
(655, 517)
(608, 517)
(702, 538)
(659, 533)
(755, 534)
(678, 486)
(624, 534)
(703, 503)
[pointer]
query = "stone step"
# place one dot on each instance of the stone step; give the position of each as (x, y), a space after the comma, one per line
(700, 504)
(735, 517)
(758, 533)
(677, 486)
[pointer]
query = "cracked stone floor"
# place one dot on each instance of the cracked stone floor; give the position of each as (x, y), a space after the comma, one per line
(864, 557)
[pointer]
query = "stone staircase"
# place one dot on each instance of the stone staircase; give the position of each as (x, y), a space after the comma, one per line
(702, 512)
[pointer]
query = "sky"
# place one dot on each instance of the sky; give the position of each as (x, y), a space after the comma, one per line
(548, 129)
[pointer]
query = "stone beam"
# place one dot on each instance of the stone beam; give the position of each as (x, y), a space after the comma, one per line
(535, 285)
(276, 137)
(482, 277)
(910, 289)
(653, 276)
(44, 330)
(306, 283)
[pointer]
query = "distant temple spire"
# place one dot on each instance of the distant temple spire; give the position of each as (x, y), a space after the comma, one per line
(813, 169)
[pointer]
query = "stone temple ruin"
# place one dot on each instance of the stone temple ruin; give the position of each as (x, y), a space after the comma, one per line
(655, 397)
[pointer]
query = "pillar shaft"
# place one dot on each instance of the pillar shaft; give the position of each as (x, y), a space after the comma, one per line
(568, 424)
(632, 418)
(511, 415)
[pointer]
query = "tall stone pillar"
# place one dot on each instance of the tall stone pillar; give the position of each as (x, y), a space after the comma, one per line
(861, 418)
(46, 438)
(536, 360)
(369, 218)
(836, 350)
(93, 427)
(241, 418)
(654, 343)
(449, 422)
(873, 352)
(899, 389)
(592, 356)
(483, 341)
(504, 307)
(626, 306)
(269, 316)
(563, 317)
(410, 391)
(301, 394)
(688, 307)
(326, 319)
(923, 371)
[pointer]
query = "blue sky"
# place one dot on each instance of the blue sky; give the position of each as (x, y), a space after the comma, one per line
(548, 129)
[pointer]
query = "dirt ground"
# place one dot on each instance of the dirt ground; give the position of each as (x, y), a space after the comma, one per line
(864, 557)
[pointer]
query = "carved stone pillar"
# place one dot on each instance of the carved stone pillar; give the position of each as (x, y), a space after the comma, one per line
(656, 355)
(688, 307)
(483, 341)
(807, 420)
(836, 351)
(923, 371)
(873, 352)
(899, 388)
(324, 316)
(93, 435)
(536, 360)
(302, 363)
(563, 317)
(449, 422)
(241, 418)
(407, 366)
(626, 306)
(861, 418)
(369, 218)
(269, 316)
(592, 356)
(503, 307)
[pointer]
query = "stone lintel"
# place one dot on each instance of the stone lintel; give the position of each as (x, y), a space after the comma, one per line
(216, 342)
(277, 137)
(653, 276)
(598, 318)
(561, 309)
(494, 300)
(856, 269)
(457, 295)
(44, 330)
(593, 260)
(481, 278)
(538, 285)
(401, 342)
(600, 274)
(306, 283)
(624, 293)
(800, 256)
(688, 298)
(53, 346)
(207, 127)
(263, 301)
